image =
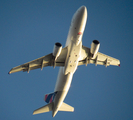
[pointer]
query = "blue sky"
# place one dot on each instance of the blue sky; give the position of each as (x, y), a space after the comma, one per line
(29, 29)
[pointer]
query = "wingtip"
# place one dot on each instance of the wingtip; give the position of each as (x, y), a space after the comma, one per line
(34, 112)
(119, 65)
(9, 73)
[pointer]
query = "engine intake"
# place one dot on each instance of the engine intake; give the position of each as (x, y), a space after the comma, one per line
(57, 50)
(94, 47)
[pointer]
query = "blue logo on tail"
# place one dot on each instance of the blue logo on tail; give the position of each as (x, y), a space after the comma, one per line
(50, 97)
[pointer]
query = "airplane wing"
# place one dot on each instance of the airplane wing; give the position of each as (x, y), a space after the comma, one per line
(99, 59)
(41, 62)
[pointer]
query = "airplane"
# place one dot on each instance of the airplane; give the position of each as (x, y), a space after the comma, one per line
(68, 59)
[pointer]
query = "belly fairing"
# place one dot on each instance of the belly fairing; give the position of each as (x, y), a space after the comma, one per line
(73, 56)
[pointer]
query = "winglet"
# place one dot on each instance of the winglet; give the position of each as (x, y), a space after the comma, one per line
(119, 65)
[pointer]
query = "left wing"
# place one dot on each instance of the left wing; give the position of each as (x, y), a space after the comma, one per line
(41, 62)
(99, 59)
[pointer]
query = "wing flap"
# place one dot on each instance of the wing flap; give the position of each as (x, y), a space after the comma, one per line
(37, 63)
(99, 59)
(41, 62)
(107, 60)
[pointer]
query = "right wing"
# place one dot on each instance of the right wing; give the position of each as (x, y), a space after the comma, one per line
(41, 62)
(99, 59)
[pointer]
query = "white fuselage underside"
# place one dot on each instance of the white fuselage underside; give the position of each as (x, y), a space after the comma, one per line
(74, 46)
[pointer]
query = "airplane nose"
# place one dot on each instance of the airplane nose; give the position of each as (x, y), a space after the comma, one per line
(83, 9)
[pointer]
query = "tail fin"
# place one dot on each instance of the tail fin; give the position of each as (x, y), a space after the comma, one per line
(43, 109)
(49, 98)
(66, 107)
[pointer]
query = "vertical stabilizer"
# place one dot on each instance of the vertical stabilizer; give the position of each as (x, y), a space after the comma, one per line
(49, 98)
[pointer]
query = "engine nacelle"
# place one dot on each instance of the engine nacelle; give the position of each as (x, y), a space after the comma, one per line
(57, 50)
(94, 47)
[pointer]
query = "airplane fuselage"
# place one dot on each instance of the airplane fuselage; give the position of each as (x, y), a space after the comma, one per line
(74, 46)
(68, 58)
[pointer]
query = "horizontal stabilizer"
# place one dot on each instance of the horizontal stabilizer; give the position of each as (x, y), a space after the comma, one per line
(44, 109)
(66, 107)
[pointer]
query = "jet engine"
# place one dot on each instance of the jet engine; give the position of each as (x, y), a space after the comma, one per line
(57, 50)
(94, 47)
